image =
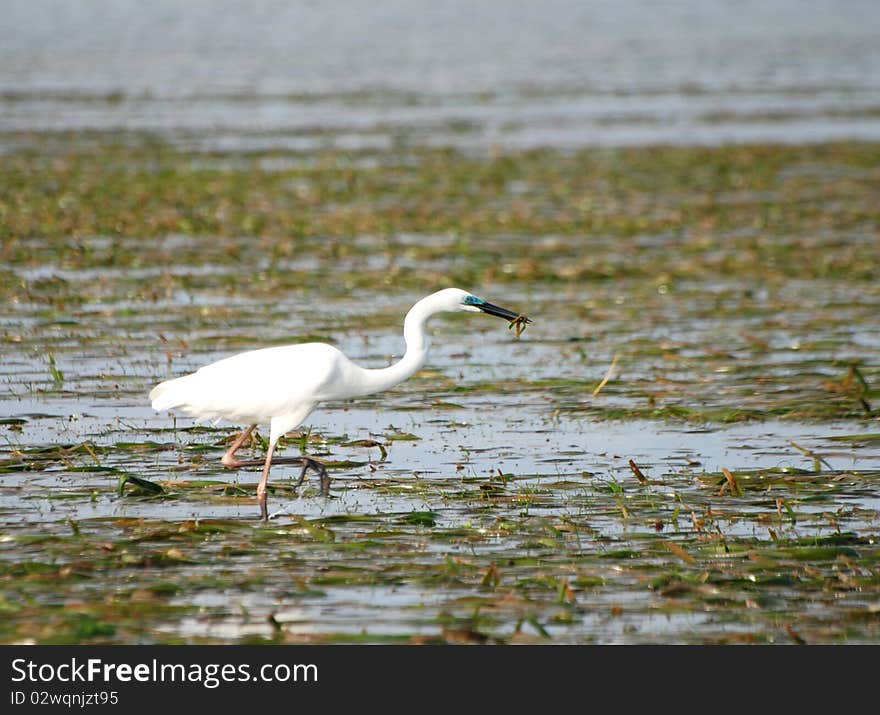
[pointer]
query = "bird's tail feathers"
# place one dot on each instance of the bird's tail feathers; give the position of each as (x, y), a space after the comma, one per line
(169, 394)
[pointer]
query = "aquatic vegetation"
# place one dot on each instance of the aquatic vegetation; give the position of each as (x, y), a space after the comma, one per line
(683, 447)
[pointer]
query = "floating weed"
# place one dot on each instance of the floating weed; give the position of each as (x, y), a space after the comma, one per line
(857, 439)
(57, 375)
(400, 436)
(638, 472)
(680, 552)
(368, 443)
(730, 481)
(142, 487)
(84, 627)
(420, 518)
(534, 623)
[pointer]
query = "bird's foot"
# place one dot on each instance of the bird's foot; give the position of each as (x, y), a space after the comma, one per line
(233, 463)
(306, 462)
(319, 467)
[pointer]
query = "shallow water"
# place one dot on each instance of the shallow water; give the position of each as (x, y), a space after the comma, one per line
(505, 508)
(171, 196)
(235, 76)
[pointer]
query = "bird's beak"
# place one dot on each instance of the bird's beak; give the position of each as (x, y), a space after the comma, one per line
(500, 312)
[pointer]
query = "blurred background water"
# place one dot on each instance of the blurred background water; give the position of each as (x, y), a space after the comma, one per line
(504, 74)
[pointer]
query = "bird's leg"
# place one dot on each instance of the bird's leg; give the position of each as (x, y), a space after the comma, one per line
(229, 461)
(261, 487)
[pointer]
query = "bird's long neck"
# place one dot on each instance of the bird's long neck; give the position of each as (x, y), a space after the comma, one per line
(376, 380)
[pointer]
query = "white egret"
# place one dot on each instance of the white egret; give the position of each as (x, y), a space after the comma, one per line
(282, 385)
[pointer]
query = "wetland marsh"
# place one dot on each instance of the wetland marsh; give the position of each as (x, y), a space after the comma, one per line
(683, 447)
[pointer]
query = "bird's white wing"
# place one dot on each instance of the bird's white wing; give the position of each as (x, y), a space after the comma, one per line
(254, 386)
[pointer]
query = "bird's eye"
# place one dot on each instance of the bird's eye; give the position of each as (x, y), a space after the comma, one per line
(473, 300)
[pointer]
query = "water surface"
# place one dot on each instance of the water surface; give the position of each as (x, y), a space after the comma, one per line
(243, 76)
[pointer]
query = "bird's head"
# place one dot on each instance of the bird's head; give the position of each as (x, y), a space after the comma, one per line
(456, 299)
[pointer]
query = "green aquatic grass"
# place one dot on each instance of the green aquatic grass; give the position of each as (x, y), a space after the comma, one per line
(713, 207)
(712, 286)
(615, 245)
